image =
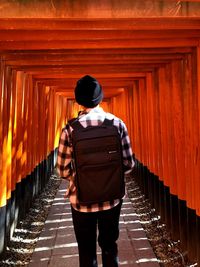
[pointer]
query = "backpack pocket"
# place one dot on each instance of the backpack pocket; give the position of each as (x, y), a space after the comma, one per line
(100, 182)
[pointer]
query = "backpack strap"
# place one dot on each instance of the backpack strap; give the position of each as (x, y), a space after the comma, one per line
(108, 122)
(75, 124)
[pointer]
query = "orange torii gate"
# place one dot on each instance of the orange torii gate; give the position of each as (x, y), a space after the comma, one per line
(149, 68)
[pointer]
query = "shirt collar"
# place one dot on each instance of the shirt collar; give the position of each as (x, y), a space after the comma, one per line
(91, 110)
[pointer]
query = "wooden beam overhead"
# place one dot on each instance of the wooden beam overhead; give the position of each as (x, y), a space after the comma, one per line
(108, 82)
(86, 60)
(94, 34)
(9, 54)
(151, 23)
(76, 76)
(123, 68)
(57, 52)
(97, 44)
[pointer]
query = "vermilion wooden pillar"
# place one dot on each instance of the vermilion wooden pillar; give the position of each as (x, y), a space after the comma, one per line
(3, 183)
(163, 112)
(198, 156)
(13, 221)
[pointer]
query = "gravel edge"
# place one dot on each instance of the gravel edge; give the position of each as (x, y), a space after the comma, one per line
(167, 250)
(20, 248)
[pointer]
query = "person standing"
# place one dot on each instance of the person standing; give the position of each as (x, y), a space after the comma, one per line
(104, 216)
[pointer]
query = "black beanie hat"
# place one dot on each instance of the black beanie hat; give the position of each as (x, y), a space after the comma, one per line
(88, 92)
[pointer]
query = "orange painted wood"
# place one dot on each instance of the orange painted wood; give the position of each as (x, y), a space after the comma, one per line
(54, 114)
(4, 142)
(94, 34)
(195, 131)
(142, 119)
(163, 129)
(13, 119)
(35, 125)
(8, 152)
(41, 122)
(156, 23)
(97, 75)
(6, 137)
(136, 125)
(188, 125)
(46, 60)
(151, 158)
(198, 147)
(2, 187)
(30, 126)
(157, 128)
(115, 43)
(111, 68)
(19, 131)
(24, 137)
(129, 106)
(70, 55)
(164, 102)
(47, 123)
(177, 111)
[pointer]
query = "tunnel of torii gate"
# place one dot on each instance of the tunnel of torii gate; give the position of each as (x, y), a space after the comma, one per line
(145, 54)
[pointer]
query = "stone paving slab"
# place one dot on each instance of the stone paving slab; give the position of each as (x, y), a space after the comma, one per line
(57, 247)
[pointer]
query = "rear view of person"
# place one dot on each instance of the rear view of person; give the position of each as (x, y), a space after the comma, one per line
(95, 193)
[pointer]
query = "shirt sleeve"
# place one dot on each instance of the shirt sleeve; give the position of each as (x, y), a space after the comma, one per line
(128, 159)
(64, 156)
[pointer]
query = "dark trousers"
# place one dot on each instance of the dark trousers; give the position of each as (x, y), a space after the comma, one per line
(85, 227)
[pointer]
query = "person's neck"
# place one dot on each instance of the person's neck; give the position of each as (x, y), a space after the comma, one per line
(85, 109)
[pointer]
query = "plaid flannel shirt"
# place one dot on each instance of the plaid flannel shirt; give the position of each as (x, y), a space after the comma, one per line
(91, 117)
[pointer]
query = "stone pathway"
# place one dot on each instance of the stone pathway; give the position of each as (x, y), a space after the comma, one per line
(57, 247)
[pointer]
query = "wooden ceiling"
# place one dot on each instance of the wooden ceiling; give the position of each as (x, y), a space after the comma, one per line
(117, 51)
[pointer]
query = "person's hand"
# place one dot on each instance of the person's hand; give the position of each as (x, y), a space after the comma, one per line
(66, 193)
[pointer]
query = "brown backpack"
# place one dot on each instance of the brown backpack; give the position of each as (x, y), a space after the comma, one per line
(97, 154)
